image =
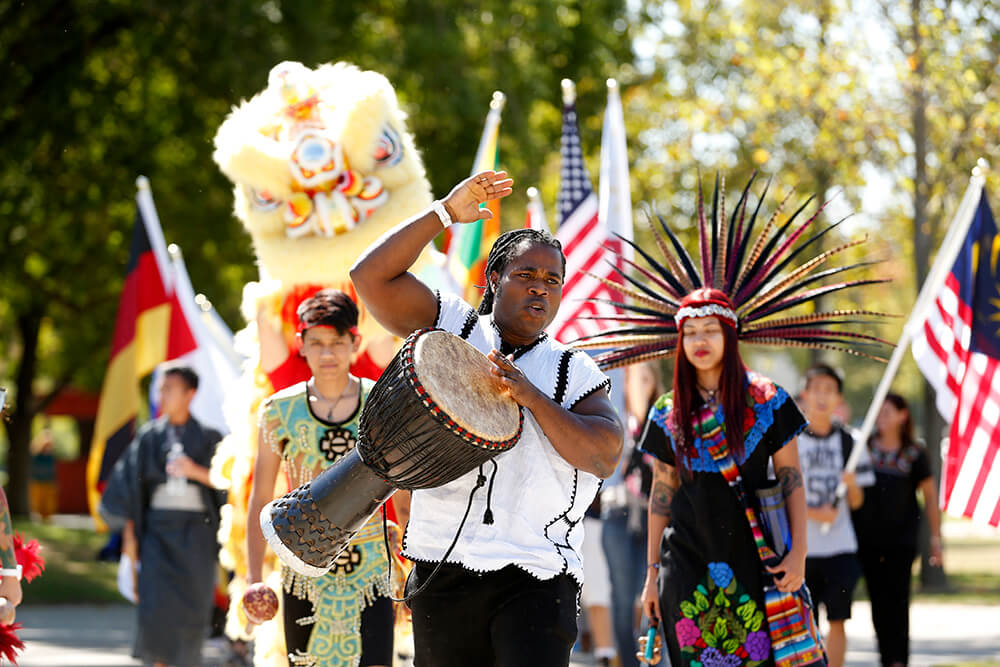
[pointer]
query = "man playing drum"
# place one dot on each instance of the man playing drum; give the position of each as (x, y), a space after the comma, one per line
(507, 594)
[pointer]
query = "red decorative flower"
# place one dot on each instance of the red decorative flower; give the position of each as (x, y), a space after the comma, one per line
(761, 389)
(29, 557)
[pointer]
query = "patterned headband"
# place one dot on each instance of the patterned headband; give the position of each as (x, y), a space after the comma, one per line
(728, 315)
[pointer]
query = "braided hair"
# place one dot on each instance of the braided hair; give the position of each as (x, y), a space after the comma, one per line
(504, 249)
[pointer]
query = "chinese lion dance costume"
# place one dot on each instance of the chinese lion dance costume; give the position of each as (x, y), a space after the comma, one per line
(322, 165)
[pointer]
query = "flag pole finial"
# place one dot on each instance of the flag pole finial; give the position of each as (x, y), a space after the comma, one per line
(498, 101)
(982, 166)
(612, 83)
(568, 91)
(174, 251)
(532, 193)
(142, 183)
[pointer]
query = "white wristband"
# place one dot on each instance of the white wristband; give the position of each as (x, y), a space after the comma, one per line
(442, 213)
(12, 571)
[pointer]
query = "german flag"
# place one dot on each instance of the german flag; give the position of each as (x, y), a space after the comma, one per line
(150, 328)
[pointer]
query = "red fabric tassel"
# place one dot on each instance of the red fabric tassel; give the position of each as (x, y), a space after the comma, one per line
(10, 644)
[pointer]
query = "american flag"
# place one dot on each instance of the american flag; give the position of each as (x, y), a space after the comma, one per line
(958, 350)
(584, 236)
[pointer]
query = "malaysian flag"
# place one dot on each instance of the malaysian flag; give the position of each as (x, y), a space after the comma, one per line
(584, 222)
(958, 350)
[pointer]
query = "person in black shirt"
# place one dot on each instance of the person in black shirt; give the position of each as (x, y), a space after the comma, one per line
(888, 522)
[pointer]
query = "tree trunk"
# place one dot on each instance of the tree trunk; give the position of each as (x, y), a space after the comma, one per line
(19, 426)
(931, 577)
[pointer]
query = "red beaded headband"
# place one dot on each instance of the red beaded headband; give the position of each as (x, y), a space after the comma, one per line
(302, 327)
(702, 303)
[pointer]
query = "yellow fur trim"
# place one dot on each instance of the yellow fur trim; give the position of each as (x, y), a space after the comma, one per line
(253, 147)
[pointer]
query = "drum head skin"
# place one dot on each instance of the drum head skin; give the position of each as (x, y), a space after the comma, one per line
(457, 377)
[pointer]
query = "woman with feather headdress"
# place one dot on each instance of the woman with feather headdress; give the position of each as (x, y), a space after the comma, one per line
(716, 576)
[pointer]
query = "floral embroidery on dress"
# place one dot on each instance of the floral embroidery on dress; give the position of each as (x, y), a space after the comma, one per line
(722, 625)
(894, 463)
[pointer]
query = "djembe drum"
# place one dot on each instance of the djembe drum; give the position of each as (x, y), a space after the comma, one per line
(435, 414)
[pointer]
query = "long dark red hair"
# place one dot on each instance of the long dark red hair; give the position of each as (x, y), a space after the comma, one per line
(732, 396)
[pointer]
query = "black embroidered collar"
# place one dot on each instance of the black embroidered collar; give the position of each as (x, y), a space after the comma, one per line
(810, 432)
(507, 349)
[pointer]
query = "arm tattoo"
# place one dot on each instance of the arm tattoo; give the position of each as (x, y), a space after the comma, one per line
(791, 479)
(665, 484)
(660, 498)
(7, 558)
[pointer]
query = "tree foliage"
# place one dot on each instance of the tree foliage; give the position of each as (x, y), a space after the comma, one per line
(97, 93)
(777, 88)
(882, 106)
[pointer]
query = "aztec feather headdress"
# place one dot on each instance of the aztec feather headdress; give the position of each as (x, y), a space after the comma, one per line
(756, 274)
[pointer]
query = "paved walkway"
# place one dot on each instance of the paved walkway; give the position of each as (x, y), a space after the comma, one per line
(100, 636)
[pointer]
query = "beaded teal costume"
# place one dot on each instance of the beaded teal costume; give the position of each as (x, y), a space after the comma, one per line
(308, 445)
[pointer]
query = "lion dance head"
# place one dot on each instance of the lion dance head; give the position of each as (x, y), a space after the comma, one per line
(322, 164)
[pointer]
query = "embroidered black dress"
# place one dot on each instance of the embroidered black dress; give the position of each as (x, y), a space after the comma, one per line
(711, 592)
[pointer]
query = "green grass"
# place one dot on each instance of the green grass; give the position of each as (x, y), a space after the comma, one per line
(72, 574)
(967, 587)
(970, 563)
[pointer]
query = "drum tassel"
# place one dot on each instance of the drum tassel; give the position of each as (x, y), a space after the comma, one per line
(480, 482)
(488, 515)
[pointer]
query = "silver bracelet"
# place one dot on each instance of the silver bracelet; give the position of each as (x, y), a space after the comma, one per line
(442, 213)
(12, 571)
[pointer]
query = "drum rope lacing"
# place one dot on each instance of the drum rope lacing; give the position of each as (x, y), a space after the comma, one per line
(412, 466)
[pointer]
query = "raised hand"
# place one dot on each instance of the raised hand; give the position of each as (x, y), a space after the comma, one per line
(463, 201)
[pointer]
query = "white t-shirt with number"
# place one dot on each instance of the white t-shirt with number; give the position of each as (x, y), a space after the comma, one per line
(822, 461)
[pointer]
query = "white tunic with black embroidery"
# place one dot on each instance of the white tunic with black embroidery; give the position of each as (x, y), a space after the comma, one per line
(538, 499)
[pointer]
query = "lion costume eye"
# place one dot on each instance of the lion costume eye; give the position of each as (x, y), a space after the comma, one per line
(389, 149)
(262, 200)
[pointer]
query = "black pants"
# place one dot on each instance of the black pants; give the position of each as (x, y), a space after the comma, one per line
(888, 575)
(377, 621)
(495, 619)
